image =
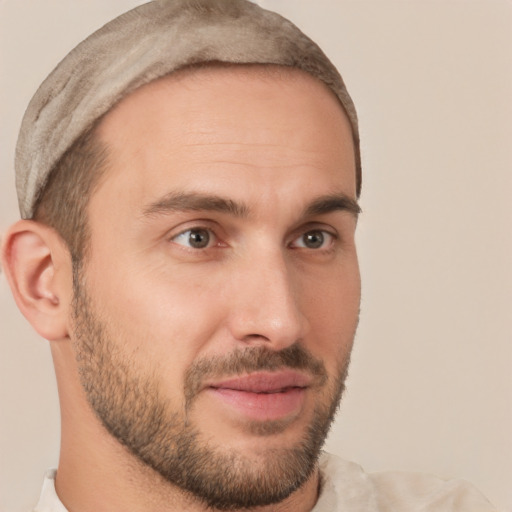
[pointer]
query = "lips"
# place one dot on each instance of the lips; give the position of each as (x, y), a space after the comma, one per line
(263, 396)
(265, 382)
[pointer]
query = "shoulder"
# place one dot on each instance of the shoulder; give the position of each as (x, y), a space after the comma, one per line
(48, 500)
(347, 487)
(399, 491)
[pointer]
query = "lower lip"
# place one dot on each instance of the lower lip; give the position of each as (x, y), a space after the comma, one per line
(262, 406)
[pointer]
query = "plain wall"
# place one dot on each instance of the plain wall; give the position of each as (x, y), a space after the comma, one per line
(430, 385)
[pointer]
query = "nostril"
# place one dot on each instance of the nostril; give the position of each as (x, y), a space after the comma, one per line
(256, 337)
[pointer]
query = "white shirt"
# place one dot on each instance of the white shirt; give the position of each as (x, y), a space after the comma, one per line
(347, 488)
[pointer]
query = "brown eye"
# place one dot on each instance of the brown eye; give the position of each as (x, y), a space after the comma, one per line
(313, 239)
(196, 238)
(199, 238)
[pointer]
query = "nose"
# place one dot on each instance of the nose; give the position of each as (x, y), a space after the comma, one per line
(266, 306)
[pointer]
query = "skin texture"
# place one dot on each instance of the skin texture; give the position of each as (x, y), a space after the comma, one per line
(154, 324)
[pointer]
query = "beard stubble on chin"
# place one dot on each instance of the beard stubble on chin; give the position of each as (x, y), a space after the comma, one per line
(131, 407)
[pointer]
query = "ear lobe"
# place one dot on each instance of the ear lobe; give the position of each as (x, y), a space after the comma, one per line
(38, 268)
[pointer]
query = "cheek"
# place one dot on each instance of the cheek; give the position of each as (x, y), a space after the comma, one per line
(331, 304)
(160, 319)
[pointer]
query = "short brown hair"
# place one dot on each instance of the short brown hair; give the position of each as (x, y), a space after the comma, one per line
(62, 203)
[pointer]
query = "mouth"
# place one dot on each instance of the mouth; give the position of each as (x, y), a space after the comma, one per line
(263, 396)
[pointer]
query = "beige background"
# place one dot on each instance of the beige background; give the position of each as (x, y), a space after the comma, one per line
(430, 387)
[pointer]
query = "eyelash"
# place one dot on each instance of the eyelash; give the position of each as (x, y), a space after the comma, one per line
(325, 235)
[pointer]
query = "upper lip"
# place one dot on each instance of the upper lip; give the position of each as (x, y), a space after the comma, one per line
(264, 382)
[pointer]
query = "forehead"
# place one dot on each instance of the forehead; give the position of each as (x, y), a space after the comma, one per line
(203, 127)
(209, 95)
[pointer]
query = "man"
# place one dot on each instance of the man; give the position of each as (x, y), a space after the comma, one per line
(189, 179)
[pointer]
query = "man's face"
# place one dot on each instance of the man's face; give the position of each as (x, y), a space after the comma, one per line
(215, 314)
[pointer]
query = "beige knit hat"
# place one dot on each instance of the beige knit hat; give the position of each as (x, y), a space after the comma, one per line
(142, 45)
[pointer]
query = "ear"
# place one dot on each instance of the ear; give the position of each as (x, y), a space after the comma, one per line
(38, 268)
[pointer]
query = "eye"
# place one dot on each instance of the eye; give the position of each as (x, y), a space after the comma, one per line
(314, 239)
(195, 238)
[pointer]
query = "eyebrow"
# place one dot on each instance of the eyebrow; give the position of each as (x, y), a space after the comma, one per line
(331, 203)
(195, 201)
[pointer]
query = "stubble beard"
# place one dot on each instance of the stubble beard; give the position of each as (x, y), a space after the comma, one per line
(131, 407)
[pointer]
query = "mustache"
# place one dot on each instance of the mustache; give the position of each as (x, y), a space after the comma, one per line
(252, 359)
